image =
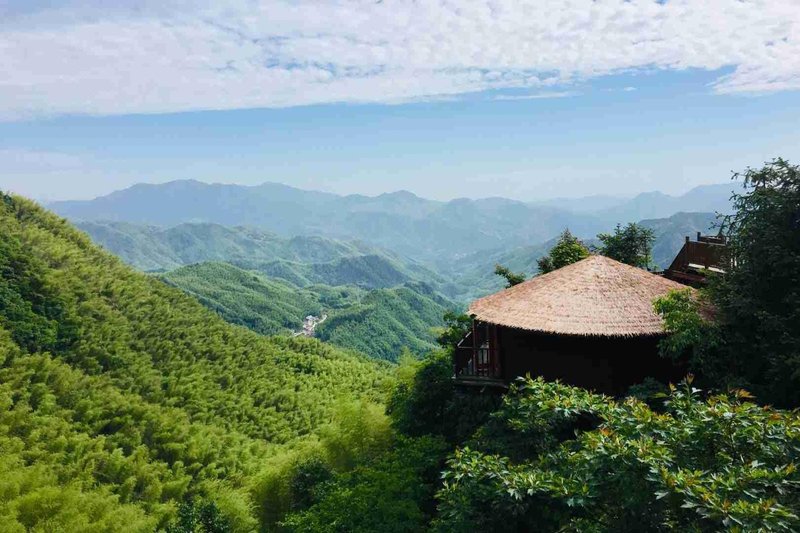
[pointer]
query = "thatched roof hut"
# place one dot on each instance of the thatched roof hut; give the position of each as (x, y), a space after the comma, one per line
(590, 324)
(596, 296)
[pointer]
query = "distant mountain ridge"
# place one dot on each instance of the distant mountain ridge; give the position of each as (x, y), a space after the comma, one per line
(437, 232)
(474, 276)
(155, 248)
(300, 260)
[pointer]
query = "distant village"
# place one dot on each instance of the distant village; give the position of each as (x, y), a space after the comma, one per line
(310, 324)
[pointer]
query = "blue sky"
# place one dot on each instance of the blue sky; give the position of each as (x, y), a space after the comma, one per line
(573, 100)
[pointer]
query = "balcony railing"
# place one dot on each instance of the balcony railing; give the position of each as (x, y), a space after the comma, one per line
(477, 363)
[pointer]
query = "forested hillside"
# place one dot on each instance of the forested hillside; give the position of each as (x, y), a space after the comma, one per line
(122, 397)
(385, 321)
(379, 323)
(267, 306)
(367, 271)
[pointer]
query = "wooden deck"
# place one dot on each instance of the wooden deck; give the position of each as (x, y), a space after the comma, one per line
(697, 259)
(474, 381)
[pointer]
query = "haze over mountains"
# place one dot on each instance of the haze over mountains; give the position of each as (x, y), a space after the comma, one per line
(303, 260)
(436, 232)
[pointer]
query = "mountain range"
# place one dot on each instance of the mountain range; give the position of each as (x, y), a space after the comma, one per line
(426, 230)
(302, 260)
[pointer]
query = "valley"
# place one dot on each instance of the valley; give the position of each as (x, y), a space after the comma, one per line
(378, 300)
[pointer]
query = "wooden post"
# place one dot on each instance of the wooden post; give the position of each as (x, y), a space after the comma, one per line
(495, 351)
(474, 347)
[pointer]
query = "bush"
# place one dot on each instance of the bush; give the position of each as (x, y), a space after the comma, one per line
(719, 464)
(426, 401)
(392, 494)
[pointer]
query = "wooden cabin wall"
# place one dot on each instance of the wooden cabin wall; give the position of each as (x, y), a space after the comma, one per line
(607, 365)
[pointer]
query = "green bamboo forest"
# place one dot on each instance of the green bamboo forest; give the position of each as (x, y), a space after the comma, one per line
(220, 378)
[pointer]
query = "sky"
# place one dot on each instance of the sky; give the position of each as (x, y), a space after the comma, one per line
(470, 98)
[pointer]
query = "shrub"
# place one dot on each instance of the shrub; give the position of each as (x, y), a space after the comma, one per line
(722, 463)
(426, 401)
(391, 494)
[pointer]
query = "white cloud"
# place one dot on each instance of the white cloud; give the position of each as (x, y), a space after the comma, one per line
(85, 57)
(536, 96)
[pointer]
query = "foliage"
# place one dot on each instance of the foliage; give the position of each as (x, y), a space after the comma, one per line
(510, 277)
(631, 245)
(719, 464)
(31, 309)
(246, 298)
(393, 493)
(358, 433)
(129, 398)
(385, 321)
(696, 339)
(306, 480)
(426, 401)
(456, 327)
(567, 250)
(758, 300)
(202, 517)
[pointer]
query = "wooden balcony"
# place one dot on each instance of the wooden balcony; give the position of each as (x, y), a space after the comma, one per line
(697, 259)
(478, 363)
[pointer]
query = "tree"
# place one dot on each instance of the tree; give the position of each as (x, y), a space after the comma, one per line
(456, 326)
(754, 339)
(511, 277)
(569, 249)
(758, 301)
(631, 245)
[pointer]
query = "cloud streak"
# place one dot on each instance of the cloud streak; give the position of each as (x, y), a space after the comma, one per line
(86, 58)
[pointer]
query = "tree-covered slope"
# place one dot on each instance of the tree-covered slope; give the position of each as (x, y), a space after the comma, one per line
(267, 306)
(121, 396)
(378, 323)
(301, 260)
(367, 271)
(387, 320)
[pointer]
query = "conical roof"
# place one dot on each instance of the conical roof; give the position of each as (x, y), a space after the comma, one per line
(595, 296)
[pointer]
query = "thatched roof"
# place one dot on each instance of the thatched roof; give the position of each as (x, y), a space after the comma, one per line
(596, 296)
